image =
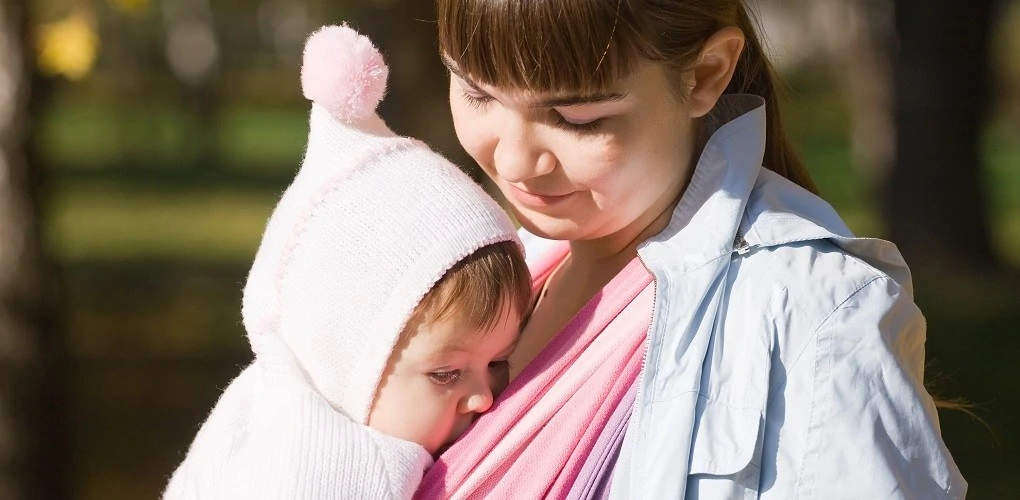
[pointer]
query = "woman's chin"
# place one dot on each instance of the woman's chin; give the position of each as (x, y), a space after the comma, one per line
(546, 226)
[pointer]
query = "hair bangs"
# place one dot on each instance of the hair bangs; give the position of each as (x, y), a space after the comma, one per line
(577, 46)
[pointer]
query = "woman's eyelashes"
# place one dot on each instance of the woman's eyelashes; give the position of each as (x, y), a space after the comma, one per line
(477, 99)
(580, 127)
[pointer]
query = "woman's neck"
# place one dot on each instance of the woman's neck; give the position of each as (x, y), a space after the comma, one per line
(620, 247)
(615, 250)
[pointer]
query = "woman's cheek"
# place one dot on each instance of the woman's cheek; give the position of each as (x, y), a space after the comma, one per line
(598, 166)
(471, 136)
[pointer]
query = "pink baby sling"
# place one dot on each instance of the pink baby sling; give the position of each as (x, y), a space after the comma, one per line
(535, 441)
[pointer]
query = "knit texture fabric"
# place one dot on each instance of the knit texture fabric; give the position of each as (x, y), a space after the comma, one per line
(371, 222)
(271, 437)
(369, 225)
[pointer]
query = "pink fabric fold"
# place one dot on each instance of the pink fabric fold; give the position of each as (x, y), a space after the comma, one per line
(536, 439)
(596, 476)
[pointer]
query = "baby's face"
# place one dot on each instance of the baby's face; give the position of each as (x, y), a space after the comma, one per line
(442, 376)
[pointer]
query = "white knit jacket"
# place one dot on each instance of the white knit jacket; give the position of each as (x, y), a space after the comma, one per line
(271, 436)
(371, 222)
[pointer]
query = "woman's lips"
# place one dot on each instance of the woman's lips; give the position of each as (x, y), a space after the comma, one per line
(538, 200)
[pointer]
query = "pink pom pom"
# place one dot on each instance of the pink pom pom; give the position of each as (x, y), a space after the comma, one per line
(343, 72)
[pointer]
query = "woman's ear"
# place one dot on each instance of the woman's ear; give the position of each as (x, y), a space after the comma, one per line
(714, 69)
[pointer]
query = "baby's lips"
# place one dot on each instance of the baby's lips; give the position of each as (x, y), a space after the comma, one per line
(459, 430)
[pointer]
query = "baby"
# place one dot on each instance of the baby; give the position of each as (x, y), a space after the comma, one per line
(383, 303)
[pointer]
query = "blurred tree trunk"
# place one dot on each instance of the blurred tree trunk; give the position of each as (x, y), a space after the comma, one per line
(192, 49)
(935, 202)
(417, 99)
(33, 433)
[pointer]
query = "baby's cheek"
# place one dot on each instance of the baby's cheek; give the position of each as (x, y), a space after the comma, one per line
(436, 424)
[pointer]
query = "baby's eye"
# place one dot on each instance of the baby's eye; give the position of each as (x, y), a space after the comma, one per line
(499, 376)
(444, 377)
(500, 371)
(502, 364)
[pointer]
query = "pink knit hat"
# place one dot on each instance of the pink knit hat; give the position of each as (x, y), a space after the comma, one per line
(371, 222)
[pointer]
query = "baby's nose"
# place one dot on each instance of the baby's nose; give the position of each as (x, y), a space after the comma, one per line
(479, 401)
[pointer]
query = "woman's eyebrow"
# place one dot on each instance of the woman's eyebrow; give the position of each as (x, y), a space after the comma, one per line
(570, 100)
(453, 69)
(578, 100)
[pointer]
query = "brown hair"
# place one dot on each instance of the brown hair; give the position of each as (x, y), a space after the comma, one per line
(480, 287)
(584, 46)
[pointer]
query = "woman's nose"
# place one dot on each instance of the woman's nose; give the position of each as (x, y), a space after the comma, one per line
(519, 156)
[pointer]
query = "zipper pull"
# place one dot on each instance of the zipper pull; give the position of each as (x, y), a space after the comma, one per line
(740, 245)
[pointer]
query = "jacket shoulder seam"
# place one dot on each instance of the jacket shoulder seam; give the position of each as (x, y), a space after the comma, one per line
(877, 273)
(823, 359)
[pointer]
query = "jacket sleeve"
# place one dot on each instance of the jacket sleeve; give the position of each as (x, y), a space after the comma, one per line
(874, 430)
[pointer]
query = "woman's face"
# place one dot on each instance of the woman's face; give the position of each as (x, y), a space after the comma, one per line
(579, 167)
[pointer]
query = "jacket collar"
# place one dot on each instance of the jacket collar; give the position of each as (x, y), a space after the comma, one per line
(732, 200)
(706, 220)
(731, 197)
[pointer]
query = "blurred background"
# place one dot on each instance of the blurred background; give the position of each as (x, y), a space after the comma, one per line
(145, 142)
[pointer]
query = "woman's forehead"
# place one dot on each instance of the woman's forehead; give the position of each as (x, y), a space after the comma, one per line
(506, 80)
(542, 46)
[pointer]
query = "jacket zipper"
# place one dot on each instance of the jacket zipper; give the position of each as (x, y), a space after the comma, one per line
(647, 342)
(741, 247)
(635, 423)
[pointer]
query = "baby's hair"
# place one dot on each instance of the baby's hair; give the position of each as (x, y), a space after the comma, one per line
(479, 287)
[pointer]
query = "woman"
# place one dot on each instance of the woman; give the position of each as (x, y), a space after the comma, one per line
(705, 326)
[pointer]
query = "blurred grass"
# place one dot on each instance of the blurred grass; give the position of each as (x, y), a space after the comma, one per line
(110, 220)
(259, 138)
(156, 135)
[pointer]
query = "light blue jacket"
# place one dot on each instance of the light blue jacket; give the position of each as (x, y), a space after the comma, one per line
(785, 357)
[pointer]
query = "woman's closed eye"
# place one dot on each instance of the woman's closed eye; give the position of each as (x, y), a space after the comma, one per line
(581, 127)
(476, 98)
